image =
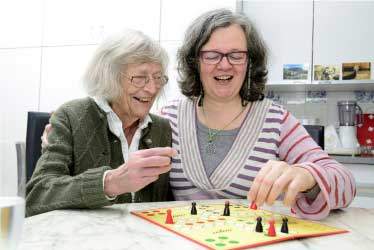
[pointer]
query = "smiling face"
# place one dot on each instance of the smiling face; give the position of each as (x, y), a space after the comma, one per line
(136, 102)
(222, 81)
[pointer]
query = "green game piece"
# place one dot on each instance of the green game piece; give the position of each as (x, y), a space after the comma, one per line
(220, 244)
(209, 240)
(223, 237)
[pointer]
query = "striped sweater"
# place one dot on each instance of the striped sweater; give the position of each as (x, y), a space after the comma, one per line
(268, 133)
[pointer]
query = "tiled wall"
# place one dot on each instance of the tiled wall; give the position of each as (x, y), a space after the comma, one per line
(321, 105)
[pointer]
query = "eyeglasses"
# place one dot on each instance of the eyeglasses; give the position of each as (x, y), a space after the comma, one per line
(215, 57)
(140, 81)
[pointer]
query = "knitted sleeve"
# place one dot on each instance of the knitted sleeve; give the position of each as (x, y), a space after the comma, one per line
(336, 183)
(54, 184)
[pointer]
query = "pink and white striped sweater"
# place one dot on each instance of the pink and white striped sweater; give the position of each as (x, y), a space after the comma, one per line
(268, 133)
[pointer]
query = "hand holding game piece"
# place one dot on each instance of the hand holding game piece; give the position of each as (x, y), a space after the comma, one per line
(226, 211)
(284, 228)
(169, 217)
(271, 229)
(259, 228)
(142, 168)
(253, 206)
(193, 209)
(276, 177)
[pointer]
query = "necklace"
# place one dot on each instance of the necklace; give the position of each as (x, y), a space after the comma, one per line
(211, 147)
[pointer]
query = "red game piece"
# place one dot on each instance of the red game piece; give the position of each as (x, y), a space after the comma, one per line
(169, 217)
(293, 211)
(253, 206)
(271, 230)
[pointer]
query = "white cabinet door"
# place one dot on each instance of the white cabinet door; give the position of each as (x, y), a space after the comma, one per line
(343, 32)
(286, 27)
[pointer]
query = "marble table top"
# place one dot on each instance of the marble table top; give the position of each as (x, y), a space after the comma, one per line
(114, 228)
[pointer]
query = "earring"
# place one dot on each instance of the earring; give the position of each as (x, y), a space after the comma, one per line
(247, 88)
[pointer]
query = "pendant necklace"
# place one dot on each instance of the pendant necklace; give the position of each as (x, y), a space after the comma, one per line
(210, 147)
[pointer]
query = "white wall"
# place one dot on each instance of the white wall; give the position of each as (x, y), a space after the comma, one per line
(46, 44)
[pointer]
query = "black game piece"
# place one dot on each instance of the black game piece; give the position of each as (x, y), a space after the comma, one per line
(193, 208)
(284, 228)
(259, 228)
(226, 211)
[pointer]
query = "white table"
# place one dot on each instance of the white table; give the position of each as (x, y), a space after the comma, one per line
(114, 228)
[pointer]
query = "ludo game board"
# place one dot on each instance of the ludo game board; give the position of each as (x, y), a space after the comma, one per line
(240, 228)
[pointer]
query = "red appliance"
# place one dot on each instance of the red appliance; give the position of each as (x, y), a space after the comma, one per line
(365, 130)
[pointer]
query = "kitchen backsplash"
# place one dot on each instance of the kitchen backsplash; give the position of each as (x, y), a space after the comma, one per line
(321, 106)
(364, 96)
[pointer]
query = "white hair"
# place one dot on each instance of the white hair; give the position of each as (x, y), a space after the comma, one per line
(103, 75)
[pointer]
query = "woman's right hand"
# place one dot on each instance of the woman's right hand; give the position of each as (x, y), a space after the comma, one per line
(142, 168)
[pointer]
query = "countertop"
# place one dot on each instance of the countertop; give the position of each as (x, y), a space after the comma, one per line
(115, 228)
(354, 159)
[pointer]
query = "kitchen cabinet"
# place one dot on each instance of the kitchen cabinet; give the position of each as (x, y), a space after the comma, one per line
(286, 27)
(314, 33)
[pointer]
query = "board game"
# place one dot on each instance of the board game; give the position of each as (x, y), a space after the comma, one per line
(209, 228)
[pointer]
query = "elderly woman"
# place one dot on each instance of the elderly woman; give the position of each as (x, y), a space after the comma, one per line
(233, 143)
(107, 148)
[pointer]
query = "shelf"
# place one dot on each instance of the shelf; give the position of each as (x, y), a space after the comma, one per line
(354, 159)
(337, 86)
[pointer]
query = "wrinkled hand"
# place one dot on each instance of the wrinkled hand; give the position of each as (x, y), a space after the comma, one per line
(142, 168)
(276, 177)
(47, 130)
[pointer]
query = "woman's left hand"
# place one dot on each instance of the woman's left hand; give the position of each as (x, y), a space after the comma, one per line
(276, 177)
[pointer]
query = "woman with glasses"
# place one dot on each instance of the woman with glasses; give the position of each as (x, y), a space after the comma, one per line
(232, 142)
(107, 148)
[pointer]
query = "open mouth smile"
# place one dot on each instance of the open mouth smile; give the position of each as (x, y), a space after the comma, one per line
(223, 78)
(143, 99)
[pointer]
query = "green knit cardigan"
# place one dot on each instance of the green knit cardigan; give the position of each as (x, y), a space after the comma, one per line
(69, 173)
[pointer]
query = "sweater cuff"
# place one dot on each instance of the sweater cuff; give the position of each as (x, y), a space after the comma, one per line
(106, 196)
(93, 189)
(319, 207)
